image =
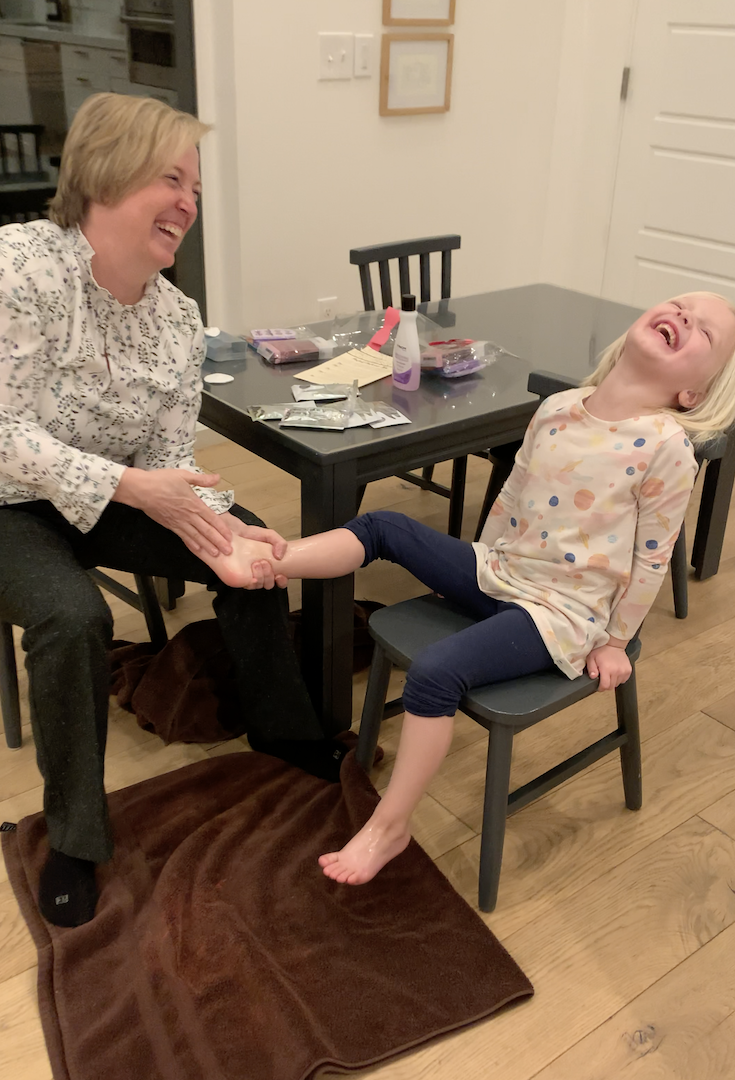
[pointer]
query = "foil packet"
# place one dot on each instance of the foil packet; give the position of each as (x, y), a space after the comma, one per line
(276, 411)
(321, 392)
(316, 418)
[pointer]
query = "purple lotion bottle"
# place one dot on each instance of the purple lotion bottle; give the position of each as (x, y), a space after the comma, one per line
(407, 351)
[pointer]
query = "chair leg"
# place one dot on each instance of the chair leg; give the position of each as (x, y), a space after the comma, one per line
(168, 590)
(151, 610)
(679, 576)
(372, 710)
(626, 700)
(9, 700)
(497, 784)
(427, 472)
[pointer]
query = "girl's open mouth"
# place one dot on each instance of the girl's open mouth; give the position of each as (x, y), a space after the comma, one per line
(669, 332)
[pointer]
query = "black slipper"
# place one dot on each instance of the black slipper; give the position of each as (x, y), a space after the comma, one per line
(67, 890)
(319, 757)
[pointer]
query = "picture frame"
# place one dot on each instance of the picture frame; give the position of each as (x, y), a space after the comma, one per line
(415, 73)
(418, 12)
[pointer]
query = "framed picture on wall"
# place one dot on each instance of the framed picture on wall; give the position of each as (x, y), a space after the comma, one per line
(415, 73)
(418, 12)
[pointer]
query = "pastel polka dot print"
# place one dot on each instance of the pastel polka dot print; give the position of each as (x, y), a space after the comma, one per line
(613, 497)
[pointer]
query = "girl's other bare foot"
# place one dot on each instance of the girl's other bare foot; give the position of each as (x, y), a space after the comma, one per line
(366, 853)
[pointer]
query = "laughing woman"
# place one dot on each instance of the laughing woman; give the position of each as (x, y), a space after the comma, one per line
(99, 395)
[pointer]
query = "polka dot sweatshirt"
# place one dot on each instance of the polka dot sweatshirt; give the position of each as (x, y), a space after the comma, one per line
(583, 530)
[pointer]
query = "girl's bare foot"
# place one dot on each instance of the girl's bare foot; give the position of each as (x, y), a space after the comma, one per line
(366, 853)
(239, 568)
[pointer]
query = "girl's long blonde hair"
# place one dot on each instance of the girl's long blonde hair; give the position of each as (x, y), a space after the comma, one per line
(117, 143)
(714, 414)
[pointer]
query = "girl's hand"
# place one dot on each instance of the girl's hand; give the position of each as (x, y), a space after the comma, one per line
(611, 664)
(166, 496)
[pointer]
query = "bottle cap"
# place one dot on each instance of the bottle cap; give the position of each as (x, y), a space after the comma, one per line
(408, 302)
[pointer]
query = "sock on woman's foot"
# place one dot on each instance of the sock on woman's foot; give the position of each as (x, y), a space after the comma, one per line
(67, 891)
(319, 757)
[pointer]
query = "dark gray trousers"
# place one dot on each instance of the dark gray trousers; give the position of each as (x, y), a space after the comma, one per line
(67, 626)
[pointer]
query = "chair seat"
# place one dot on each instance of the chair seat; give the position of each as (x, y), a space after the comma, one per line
(406, 628)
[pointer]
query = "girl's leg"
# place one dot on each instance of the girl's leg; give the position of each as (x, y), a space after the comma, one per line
(324, 555)
(443, 563)
(424, 744)
(505, 646)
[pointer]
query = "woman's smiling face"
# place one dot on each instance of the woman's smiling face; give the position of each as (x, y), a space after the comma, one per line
(154, 219)
(681, 345)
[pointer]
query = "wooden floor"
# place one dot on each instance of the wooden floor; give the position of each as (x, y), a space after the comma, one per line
(625, 922)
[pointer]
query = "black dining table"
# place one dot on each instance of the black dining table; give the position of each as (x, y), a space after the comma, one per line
(539, 327)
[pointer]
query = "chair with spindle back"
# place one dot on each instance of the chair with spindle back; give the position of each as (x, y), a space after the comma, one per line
(403, 251)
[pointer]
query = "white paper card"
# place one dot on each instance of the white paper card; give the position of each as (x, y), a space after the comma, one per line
(365, 365)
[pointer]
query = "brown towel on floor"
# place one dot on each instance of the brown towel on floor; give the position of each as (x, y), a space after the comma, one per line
(184, 693)
(187, 692)
(220, 951)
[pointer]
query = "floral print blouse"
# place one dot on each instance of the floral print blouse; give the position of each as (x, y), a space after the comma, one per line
(582, 533)
(88, 385)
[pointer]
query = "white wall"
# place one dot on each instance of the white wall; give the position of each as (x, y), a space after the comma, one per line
(299, 171)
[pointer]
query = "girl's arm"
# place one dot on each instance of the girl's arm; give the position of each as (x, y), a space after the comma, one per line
(501, 510)
(662, 501)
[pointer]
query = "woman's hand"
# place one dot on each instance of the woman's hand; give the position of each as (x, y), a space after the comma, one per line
(166, 496)
(612, 665)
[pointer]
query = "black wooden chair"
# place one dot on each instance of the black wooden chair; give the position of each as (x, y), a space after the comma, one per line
(145, 600)
(401, 630)
(501, 457)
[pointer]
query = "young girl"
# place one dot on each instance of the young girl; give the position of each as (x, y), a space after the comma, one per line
(572, 554)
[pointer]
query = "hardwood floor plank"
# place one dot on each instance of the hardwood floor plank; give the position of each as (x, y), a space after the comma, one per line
(17, 951)
(681, 1028)
(721, 814)
(723, 710)
(22, 1048)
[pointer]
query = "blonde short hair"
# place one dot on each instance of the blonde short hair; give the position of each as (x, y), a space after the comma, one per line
(714, 414)
(117, 144)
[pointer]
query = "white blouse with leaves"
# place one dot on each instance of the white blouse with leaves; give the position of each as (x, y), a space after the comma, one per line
(89, 385)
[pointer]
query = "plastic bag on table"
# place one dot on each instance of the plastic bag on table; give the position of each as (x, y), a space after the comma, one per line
(357, 331)
(459, 356)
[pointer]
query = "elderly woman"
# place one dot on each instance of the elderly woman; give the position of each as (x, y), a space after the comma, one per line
(99, 395)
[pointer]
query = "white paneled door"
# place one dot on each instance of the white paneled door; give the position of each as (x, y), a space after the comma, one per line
(673, 218)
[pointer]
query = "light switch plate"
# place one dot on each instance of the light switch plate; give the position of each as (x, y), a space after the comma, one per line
(363, 55)
(336, 55)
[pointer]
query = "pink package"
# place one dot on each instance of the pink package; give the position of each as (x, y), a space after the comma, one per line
(287, 352)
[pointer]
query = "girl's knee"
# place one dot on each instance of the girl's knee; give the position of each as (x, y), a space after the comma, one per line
(376, 531)
(431, 689)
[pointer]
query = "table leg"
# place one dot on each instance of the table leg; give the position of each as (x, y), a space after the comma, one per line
(456, 497)
(328, 499)
(716, 492)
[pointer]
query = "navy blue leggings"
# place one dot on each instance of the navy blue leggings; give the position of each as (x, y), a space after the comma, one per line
(503, 644)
